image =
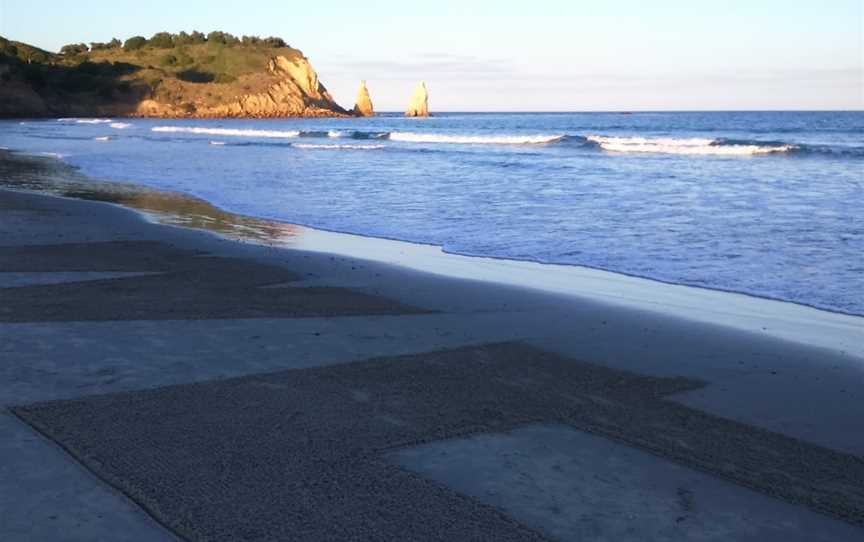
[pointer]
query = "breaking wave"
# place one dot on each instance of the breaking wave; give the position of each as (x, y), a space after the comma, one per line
(337, 146)
(231, 132)
(84, 121)
(414, 137)
(693, 145)
(120, 125)
(595, 142)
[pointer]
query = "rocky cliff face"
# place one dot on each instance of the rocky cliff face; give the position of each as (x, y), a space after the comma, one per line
(363, 106)
(261, 83)
(290, 88)
(419, 106)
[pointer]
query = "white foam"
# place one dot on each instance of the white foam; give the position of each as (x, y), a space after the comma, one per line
(120, 125)
(217, 142)
(414, 137)
(231, 132)
(694, 145)
(332, 146)
(103, 138)
(334, 133)
(85, 121)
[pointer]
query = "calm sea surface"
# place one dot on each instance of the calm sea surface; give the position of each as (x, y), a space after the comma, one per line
(769, 204)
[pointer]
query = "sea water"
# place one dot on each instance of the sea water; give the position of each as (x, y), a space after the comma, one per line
(769, 204)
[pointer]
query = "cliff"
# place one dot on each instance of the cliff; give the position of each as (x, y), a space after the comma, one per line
(419, 106)
(363, 106)
(166, 77)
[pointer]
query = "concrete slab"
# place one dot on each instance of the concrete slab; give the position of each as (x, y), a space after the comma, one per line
(44, 496)
(58, 360)
(212, 449)
(576, 486)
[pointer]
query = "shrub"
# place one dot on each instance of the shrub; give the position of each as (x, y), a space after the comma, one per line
(275, 42)
(182, 39)
(216, 37)
(168, 60)
(224, 38)
(134, 43)
(250, 40)
(38, 57)
(98, 46)
(197, 37)
(74, 49)
(162, 40)
(115, 43)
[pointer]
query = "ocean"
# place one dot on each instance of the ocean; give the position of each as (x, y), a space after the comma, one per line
(769, 204)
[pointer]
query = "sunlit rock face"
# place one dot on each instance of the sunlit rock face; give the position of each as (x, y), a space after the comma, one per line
(419, 106)
(296, 91)
(363, 106)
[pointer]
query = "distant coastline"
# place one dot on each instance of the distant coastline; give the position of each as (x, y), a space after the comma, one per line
(167, 76)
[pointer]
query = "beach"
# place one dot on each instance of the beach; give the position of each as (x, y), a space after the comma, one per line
(219, 376)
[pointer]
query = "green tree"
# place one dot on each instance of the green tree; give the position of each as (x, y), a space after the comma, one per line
(74, 49)
(222, 37)
(216, 37)
(134, 43)
(275, 42)
(250, 40)
(182, 39)
(162, 40)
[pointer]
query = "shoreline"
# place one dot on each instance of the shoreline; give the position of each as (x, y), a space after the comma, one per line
(587, 401)
(782, 319)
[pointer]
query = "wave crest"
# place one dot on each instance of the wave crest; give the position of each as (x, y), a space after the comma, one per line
(231, 132)
(84, 121)
(414, 137)
(692, 145)
(356, 146)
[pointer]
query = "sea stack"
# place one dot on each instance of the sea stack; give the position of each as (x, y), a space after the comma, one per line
(363, 106)
(419, 106)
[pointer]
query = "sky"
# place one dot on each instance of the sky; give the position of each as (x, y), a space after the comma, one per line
(543, 55)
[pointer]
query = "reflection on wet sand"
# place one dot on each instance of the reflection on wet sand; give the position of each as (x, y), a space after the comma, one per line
(50, 176)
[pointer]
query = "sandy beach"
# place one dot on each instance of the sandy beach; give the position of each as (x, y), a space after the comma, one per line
(212, 377)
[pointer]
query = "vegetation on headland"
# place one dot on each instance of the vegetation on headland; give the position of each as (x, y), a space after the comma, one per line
(128, 71)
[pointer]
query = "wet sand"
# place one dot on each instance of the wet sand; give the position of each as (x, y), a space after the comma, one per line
(238, 391)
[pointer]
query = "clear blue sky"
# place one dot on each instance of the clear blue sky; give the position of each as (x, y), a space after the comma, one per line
(538, 55)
